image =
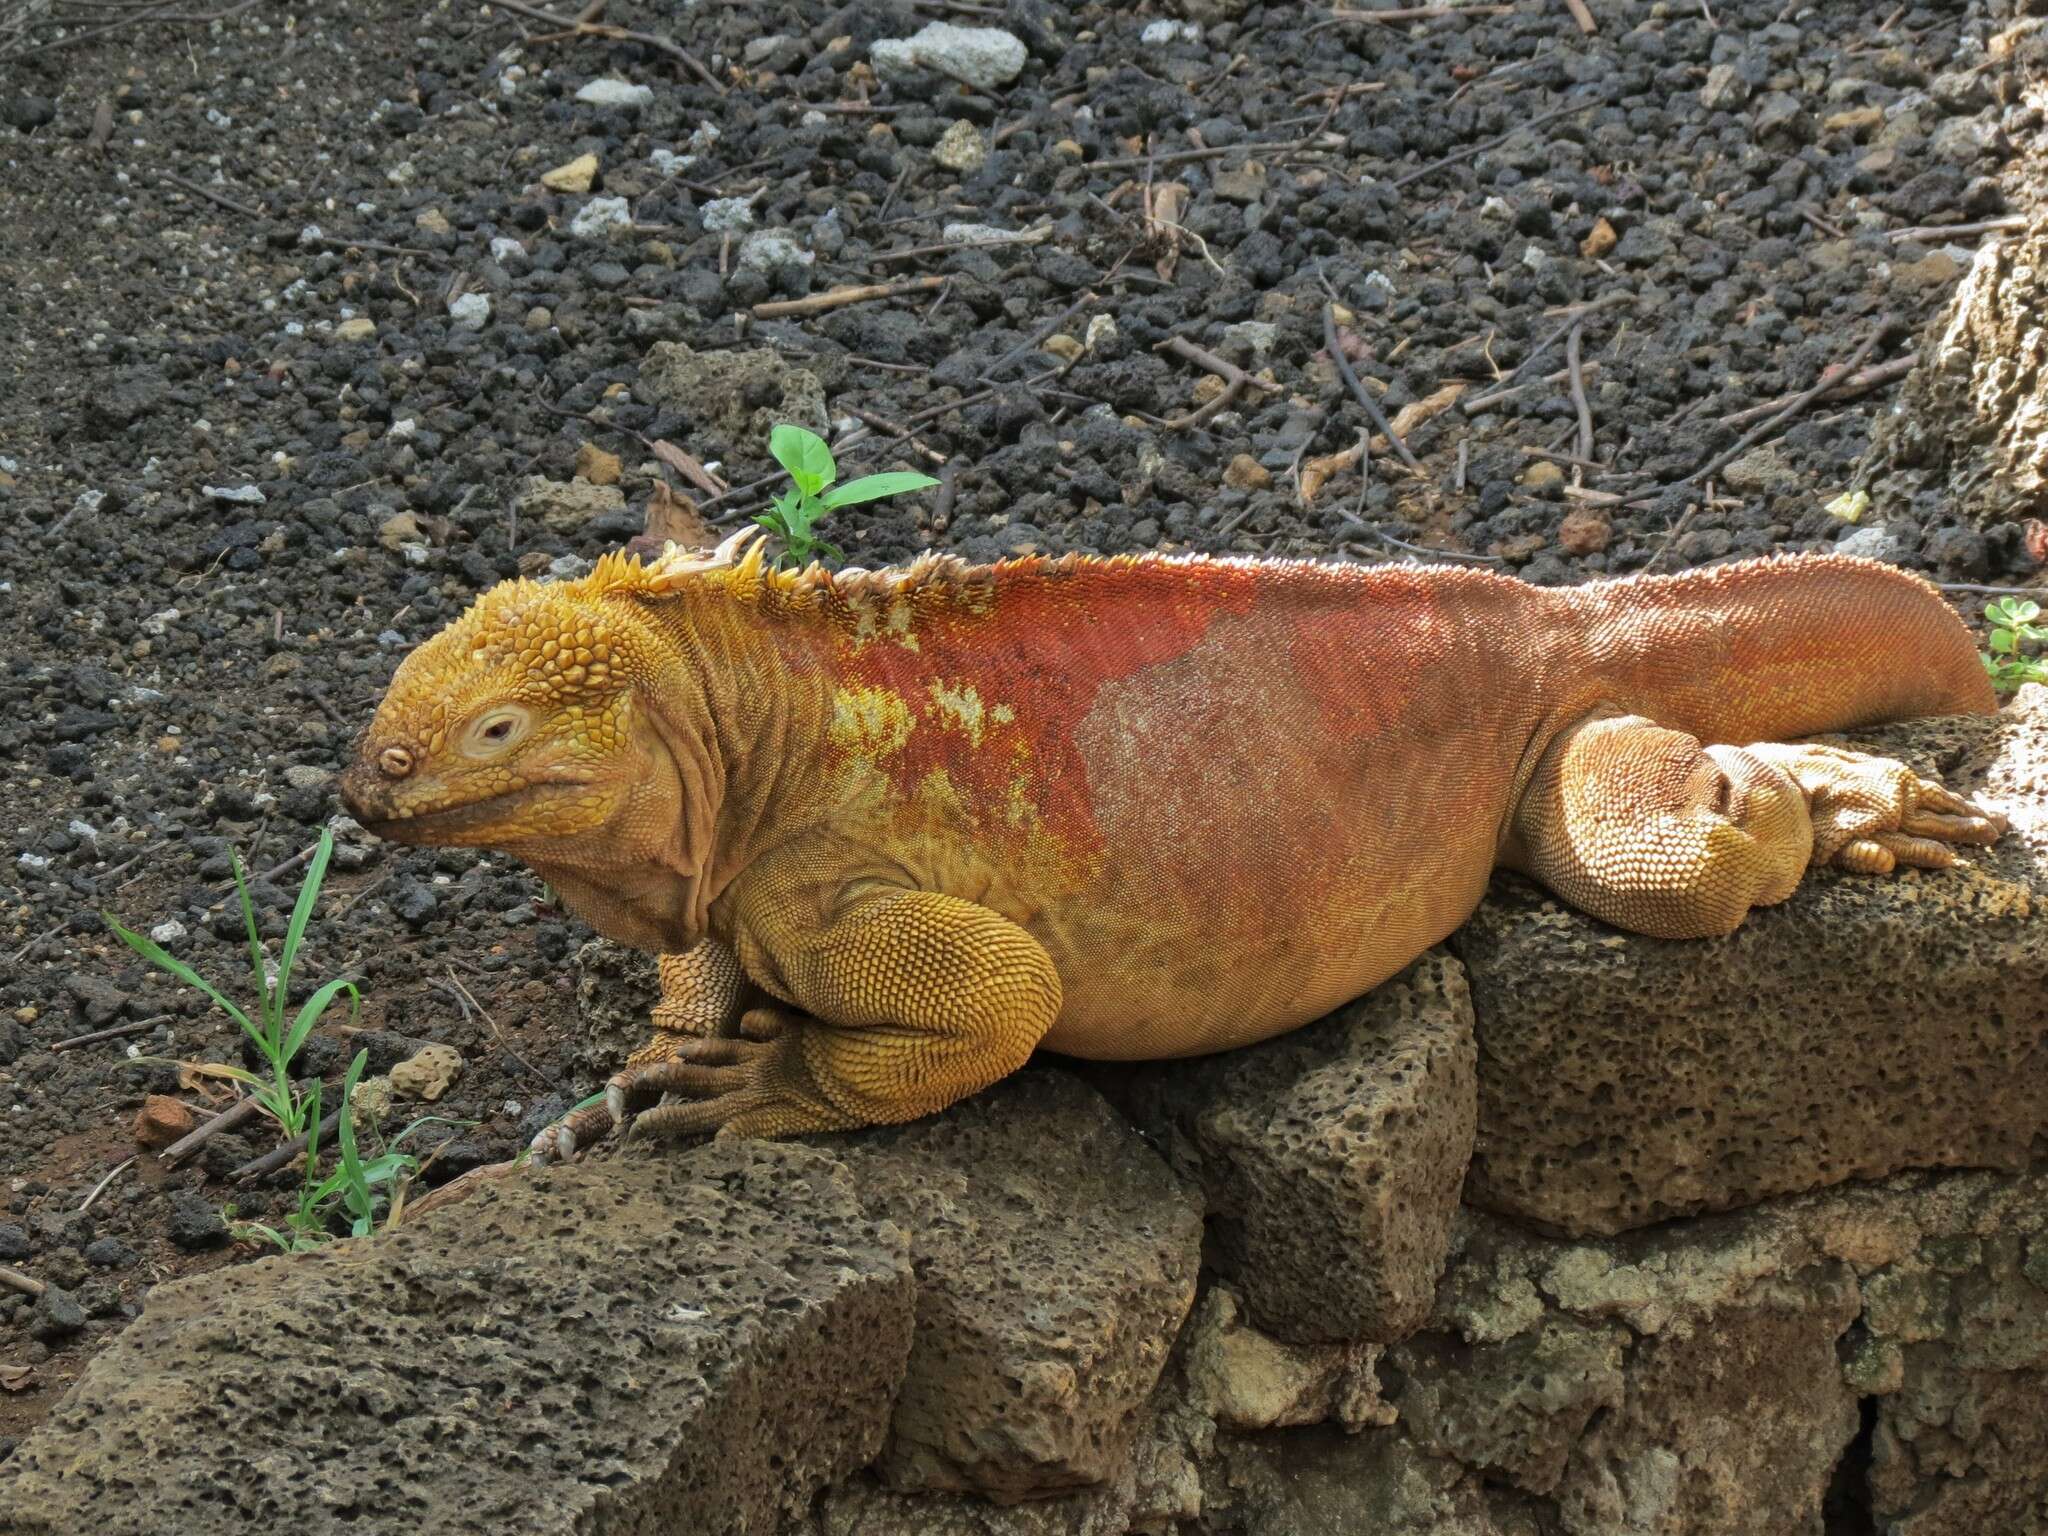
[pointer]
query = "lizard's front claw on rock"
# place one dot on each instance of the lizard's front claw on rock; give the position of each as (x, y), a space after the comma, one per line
(551, 1144)
(717, 1077)
(561, 1141)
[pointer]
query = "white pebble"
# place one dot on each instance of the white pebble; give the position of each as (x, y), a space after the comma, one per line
(598, 215)
(616, 93)
(472, 311)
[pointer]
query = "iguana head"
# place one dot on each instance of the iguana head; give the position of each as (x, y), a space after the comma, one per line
(517, 724)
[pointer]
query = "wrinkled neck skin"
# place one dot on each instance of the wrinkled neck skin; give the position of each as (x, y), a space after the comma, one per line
(712, 768)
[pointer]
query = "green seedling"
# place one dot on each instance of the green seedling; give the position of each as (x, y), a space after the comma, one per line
(277, 1033)
(361, 1188)
(2014, 627)
(812, 494)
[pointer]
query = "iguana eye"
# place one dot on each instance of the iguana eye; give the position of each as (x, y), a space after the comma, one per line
(494, 732)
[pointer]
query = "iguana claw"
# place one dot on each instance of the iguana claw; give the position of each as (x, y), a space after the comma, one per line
(554, 1143)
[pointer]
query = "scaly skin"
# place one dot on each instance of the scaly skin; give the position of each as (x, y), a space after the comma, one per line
(1132, 808)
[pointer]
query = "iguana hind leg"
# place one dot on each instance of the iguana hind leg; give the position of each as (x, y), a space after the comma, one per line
(911, 1000)
(701, 990)
(1654, 832)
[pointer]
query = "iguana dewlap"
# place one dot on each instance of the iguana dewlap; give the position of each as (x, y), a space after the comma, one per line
(1133, 808)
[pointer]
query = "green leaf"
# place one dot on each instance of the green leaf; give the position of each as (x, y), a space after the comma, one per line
(874, 487)
(150, 951)
(302, 913)
(805, 456)
(269, 1015)
(315, 1006)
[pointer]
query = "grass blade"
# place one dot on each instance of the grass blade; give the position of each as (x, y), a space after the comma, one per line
(314, 1007)
(874, 487)
(271, 1016)
(154, 953)
(302, 913)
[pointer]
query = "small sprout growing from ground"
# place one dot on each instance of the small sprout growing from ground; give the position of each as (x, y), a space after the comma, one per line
(276, 1033)
(812, 494)
(358, 1189)
(2015, 627)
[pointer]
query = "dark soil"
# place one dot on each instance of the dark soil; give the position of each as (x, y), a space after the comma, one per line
(185, 670)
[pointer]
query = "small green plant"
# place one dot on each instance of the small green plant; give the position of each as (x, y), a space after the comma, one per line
(277, 1034)
(2013, 628)
(812, 494)
(361, 1189)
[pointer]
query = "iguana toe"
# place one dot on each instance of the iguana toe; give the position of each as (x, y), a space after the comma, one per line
(561, 1140)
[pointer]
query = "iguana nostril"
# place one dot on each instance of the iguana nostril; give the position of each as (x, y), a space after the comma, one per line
(395, 761)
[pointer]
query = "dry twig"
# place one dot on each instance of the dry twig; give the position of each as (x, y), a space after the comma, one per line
(583, 26)
(839, 298)
(1335, 347)
(1841, 387)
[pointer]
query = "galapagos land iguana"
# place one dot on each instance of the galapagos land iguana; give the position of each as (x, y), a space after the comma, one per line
(1136, 807)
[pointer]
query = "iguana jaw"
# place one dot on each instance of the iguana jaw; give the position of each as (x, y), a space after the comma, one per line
(493, 820)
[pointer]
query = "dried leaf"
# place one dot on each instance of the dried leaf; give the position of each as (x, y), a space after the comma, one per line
(1316, 473)
(1416, 412)
(690, 467)
(2034, 538)
(18, 1378)
(1169, 202)
(674, 518)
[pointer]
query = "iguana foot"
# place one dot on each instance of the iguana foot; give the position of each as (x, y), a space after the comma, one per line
(755, 1084)
(700, 990)
(561, 1140)
(1873, 814)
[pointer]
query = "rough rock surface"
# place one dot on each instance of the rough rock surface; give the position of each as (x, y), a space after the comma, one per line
(1331, 1156)
(689, 1343)
(1972, 422)
(616, 990)
(1322, 1482)
(1864, 1026)
(1245, 1379)
(733, 399)
(1056, 1258)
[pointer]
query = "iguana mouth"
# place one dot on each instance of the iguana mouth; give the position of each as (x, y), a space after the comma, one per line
(407, 825)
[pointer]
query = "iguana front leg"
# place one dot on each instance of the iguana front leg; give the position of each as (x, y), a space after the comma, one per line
(910, 1001)
(1652, 831)
(700, 993)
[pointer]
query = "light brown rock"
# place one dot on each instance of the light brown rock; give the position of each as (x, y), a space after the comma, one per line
(577, 175)
(162, 1120)
(695, 1342)
(1331, 1157)
(597, 466)
(399, 530)
(1584, 531)
(1056, 1258)
(1864, 1026)
(733, 398)
(564, 508)
(1246, 473)
(428, 1073)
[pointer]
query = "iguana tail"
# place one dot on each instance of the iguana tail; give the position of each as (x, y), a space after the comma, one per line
(1763, 650)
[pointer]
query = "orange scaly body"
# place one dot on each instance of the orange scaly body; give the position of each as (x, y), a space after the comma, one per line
(1138, 808)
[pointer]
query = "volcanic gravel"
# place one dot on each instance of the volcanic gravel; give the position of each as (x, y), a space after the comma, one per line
(290, 323)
